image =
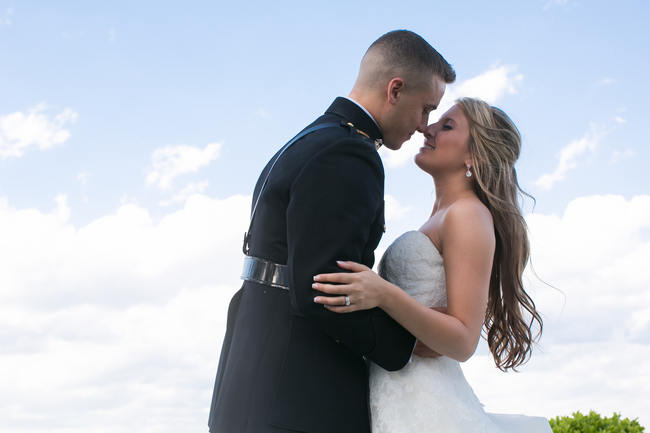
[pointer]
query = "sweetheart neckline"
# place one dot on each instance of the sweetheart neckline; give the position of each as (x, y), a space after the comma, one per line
(429, 239)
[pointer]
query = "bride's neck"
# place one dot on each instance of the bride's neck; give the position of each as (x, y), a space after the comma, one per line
(448, 190)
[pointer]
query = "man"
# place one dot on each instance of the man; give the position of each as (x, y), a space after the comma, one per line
(288, 364)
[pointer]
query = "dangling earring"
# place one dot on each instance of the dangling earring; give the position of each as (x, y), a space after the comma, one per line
(468, 173)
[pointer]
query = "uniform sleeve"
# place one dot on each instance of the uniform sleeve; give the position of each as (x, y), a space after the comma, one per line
(333, 202)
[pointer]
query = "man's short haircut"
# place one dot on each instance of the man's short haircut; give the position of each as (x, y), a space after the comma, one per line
(403, 53)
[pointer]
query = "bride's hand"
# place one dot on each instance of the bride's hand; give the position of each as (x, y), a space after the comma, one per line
(364, 288)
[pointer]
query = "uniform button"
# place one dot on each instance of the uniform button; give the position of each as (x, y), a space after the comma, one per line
(338, 341)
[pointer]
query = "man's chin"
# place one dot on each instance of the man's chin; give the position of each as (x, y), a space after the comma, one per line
(393, 146)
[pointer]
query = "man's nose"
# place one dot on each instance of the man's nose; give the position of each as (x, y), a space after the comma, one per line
(423, 124)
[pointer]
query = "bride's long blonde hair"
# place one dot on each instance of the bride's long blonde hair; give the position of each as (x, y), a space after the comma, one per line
(494, 146)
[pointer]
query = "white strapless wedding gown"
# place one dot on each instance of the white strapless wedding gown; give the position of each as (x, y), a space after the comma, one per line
(430, 395)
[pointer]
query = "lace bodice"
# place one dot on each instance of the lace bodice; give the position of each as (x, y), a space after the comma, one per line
(414, 264)
(430, 395)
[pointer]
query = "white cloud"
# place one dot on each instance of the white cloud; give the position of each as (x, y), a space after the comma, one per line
(169, 162)
(563, 379)
(597, 329)
(6, 18)
(121, 258)
(398, 158)
(491, 86)
(595, 253)
(263, 113)
(394, 210)
(91, 369)
(115, 326)
(569, 157)
(62, 211)
(606, 81)
(620, 120)
(182, 195)
(619, 155)
(82, 177)
(559, 3)
(21, 131)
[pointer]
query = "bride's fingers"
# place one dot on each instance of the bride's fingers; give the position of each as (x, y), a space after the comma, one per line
(332, 289)
(341, 309)
(344, 277)
(352, 266)
(335, 301)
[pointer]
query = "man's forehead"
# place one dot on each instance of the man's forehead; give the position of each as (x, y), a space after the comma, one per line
(437, 90)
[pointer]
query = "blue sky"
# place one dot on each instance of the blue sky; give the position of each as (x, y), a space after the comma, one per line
(147, 75)
(131, 134)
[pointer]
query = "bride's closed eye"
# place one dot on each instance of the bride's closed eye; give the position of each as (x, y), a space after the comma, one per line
(446, 126)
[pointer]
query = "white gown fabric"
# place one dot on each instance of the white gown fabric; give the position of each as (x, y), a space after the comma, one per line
(430, 395)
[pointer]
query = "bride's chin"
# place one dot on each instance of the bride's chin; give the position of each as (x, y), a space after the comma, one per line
(420, 162)
(424, 164)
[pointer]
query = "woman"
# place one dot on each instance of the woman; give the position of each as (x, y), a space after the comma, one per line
(459, 273)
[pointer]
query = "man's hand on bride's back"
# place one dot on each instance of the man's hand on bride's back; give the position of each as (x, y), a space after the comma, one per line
(358, 289)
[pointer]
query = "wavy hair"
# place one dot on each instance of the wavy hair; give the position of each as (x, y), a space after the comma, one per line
(494, 145)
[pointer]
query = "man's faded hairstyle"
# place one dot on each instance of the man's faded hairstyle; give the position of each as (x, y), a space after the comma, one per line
(405, 54)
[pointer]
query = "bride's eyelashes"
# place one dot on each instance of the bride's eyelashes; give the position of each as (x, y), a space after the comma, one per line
(447, 127)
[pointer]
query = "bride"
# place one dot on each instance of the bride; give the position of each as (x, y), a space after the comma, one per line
(459, 273)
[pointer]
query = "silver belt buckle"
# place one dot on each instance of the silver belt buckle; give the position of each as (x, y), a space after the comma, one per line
(265, 272)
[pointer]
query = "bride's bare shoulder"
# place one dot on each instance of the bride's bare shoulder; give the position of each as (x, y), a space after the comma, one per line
(467, 216)
(468, 209)
(469, 219)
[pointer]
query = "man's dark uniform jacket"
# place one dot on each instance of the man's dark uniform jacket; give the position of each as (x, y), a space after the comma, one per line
(288, 364)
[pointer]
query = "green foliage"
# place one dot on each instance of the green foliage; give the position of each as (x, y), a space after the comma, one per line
(594, 423)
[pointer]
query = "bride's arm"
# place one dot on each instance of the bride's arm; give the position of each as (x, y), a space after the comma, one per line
(468, 243)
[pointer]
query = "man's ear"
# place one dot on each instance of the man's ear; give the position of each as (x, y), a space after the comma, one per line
(394, 89)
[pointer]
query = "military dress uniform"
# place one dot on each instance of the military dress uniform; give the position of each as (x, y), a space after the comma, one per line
(288, 364)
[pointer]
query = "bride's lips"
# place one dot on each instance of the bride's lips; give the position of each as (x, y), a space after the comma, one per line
(427, 144)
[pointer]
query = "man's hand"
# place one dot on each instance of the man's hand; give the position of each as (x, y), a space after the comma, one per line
(425, 351)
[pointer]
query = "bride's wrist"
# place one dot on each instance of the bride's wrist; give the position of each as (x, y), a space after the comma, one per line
(387, 294)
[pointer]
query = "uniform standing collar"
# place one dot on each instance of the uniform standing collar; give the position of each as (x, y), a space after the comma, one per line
(351, 111)
(363, 108)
